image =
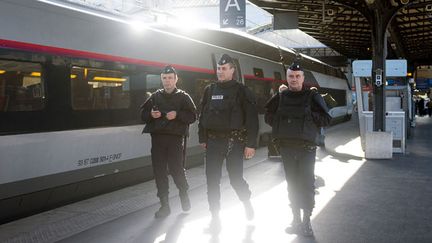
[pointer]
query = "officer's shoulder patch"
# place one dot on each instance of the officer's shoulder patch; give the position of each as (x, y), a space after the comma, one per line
(158, 91)
(313, 90)
(180, 91)
(314, 93)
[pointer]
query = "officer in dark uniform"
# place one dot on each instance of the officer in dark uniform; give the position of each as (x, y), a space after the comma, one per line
(228, 128)
(167, 114)
(296, 114)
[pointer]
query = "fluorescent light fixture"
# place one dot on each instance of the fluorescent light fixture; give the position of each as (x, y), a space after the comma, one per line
(109, 79)
(35, 74)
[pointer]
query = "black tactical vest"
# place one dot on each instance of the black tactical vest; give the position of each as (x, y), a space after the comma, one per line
(166, 103)
(293, 120)
(223, 111)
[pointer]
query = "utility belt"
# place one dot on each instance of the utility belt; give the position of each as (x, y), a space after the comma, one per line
(239, 135)
(295, 143)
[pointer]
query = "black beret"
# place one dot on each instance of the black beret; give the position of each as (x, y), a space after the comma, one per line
(225, 59)
(169, 69)
(295, 67)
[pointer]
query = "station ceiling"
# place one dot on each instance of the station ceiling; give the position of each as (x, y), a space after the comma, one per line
(344, 25)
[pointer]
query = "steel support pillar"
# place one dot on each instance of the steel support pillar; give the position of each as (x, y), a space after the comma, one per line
(379, 46)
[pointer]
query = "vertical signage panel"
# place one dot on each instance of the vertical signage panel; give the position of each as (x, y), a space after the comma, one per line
(232, 13)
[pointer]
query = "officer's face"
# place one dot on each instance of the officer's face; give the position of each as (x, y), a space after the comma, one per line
(295, 80)
(169, 81)
(225, 72)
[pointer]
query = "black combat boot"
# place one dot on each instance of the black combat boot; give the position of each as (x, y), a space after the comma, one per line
(307, 227)
(185, 202)
(250, 214)
(296, 224)
(164, 210)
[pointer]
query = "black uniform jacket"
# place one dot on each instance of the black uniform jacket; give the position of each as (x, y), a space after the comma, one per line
(319, 109)
(250, 113)
(178, 101)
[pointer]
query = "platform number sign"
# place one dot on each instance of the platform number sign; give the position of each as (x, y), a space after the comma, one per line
(232, 13)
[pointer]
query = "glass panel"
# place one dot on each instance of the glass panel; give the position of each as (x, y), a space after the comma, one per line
(99, 89)
(21, 86)
(258, 72)
(153, 82)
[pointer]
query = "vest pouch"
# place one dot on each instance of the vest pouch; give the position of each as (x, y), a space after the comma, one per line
(288, 127)
(217, 116)
(236, 122)
(166, 103)
(223, 111)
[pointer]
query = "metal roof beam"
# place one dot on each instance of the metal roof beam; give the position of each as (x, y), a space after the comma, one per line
(403, 28)
(396, 39)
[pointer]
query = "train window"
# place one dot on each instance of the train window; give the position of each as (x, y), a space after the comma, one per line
(99, 89)
(153, 82)
(258, 72)
(21, 86)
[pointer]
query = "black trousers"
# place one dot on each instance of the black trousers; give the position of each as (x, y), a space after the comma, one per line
(299, 166)
(167, 156)
(232, 150)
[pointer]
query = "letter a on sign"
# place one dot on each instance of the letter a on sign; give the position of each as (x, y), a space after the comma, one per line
(232, 13)
(232, 3)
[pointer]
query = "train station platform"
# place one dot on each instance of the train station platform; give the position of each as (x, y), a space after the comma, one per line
(357, 200)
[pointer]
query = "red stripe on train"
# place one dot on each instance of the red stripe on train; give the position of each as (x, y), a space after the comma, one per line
(86, 54)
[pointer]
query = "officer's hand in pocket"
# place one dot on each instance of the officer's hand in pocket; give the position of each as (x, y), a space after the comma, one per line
(249, 153)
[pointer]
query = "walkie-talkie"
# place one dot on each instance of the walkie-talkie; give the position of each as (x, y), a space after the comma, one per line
(156, 108)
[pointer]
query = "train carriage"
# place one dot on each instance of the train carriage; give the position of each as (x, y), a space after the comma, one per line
(71, 83)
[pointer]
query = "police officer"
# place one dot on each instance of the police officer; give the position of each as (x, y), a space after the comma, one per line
(295, 115)
(167, 114)
(228, 128)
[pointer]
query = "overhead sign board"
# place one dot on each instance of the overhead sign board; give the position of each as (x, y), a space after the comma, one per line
(232, 13)
(394, 68)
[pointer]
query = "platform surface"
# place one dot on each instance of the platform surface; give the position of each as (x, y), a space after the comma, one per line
(357, 200)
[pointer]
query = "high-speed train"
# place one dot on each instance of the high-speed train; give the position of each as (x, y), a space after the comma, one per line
(72, 82)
